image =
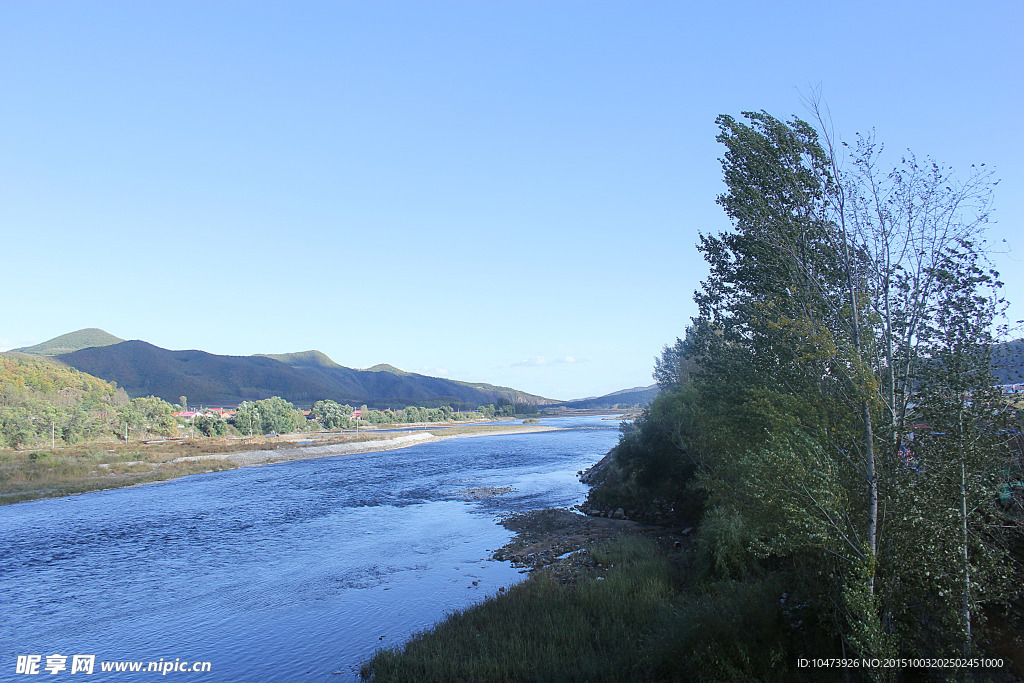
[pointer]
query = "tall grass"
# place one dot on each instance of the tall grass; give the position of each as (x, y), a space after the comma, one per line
(45, 474)
(641, 620)
(596, 629)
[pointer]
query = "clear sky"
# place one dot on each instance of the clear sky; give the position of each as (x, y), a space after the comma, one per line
(499, 191)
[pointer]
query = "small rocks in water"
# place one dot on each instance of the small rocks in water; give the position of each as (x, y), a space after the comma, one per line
(475, 582)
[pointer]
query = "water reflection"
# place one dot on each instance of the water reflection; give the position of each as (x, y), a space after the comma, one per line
(295, 571)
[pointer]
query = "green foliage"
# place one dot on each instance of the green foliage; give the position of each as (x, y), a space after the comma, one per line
(724, 546)
(153, 414)
(210, 425)
(73, 341)
(16, 427)
(42, 401)
(597, 630)
(331, 415)
(843, 309)
(23, 378)
(732, 631)
(269, 416)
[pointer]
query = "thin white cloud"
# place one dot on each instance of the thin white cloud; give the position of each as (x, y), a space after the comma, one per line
(531, 362)
(537, 361)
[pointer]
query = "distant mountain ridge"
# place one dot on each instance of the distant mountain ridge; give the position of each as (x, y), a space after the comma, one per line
(1008, 362)
(70, 342)
(625, 398)
(143, 369)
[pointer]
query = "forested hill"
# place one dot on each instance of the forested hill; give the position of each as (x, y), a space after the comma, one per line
(143, 369)
(627, 398)
(72, 341)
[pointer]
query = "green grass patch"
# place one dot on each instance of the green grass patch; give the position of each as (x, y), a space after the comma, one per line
(641, 619)
(599, 628)
(47, 474)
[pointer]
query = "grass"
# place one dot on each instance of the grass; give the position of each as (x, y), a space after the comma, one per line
(598, 628)
(633, 612)
(30, 475)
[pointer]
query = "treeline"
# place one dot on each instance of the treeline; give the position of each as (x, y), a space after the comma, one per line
(331, 415)
(45, 403)
(829, 419)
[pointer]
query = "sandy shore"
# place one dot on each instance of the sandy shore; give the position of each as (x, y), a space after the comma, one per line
(287, 453)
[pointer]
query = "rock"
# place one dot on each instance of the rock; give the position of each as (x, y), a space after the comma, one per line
(687, 531)
(619, 514)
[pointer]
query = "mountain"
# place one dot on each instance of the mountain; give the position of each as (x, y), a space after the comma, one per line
(72, 341)
(1008, 362)
(143, 369)
(385, 384)
(625, 398)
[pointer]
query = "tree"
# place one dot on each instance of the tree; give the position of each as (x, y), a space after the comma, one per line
(964, 450)
(247, 419)
(210, 425)
(270, 415)
(153, 413)
(16, 427)
(812, 333)
(331, 415)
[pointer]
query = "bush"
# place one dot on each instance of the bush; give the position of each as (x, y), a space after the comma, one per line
(210, 426)
(723, 546)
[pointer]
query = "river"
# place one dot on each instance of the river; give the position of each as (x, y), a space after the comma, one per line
(290, 572)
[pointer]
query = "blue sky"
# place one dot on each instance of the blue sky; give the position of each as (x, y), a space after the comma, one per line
(507, 192)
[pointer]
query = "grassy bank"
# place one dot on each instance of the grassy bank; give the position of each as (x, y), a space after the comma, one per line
(28, 475)
(647, 604)
(32, 474)
(546, 629)
(627, 610)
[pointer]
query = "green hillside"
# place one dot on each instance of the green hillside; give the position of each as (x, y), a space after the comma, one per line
(311, 358)
(384, 367)
(73, 341)
(302, 378)
(635, 397)
(25, 376)
(142, 369)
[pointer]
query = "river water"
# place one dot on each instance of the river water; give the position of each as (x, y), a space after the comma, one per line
(289, 572)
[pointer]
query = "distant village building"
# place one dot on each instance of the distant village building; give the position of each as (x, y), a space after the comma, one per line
(190, 415)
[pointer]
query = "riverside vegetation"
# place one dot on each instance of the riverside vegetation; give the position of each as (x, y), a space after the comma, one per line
(830, 426)
(63, 431)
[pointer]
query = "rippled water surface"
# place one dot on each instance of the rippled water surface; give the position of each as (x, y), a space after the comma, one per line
(295, 571)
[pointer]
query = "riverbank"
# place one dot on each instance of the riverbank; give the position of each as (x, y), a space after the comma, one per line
(68, 471)
(598, 605)
(612, 600)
